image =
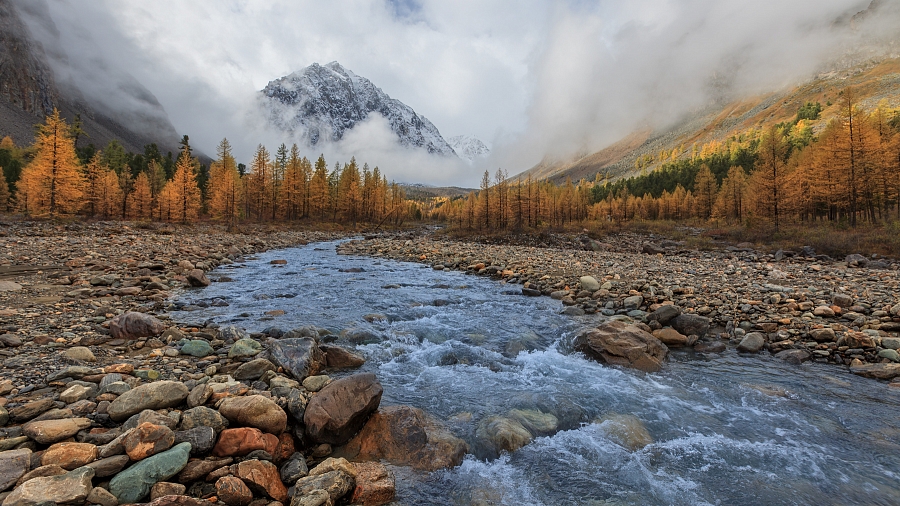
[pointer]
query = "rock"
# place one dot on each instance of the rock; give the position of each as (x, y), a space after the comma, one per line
(80, 353)
(149, 416)
(30, 410)
(69, 455)
(233, 492)
(76, 393)
(796, 357)
(202, 439)
(157, 395)
(109, 466)
(41, 472)
(618, 343)
(299, 356)
(261, 476)
(825, 335)
(164, 488)
(652, 249)
(883, 371)
(856, 260)
(201, 416)
(51, 431)
(536, 422)
(339, 357)
(336, 483)
(502, 434)
(9, 286)
(199, 395)
(239, 442)
(823, 311)
(133, 484)
(340, 409)
(633, 302)
(294, 469)
(589, 283)
(197, 278)
(13, 465)
(197, 348)
(856, 340)
(315, 497)
(178, 500)
(255, 411)
(253, 370)
(889, 354)
(132, 325)
(148, 439)
(375, 484)
(244, 348)
(406, 436)
(842, 300)
(70, 488)
(102, 497)
(691, 324)
(752, 342)
(198, 469)
(316, 383)
(671, 337)
(627, 431)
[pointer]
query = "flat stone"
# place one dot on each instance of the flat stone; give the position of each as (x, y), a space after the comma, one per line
(618, 343)
(13, 465)
(9, 286)
(883, 371)
(253, 369)
(109, 466)
(70, 488)
(340, 409)
(202, 439)
(51, 431)
(157, 395)
(133, 484)
(80, 353)
(255, 411)
(198, 469)
(69, 455)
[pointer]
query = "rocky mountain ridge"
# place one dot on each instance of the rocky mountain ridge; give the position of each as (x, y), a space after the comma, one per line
(468, 147)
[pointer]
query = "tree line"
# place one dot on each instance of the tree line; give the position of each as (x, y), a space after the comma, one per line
(53, 178)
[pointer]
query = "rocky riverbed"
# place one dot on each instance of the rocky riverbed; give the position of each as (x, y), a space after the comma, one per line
(799, 306)
(106, 400)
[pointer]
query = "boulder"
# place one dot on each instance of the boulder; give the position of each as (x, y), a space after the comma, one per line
(201, 416)
(340, 409)
(375, 484)
(752, 342)
(133, 484)
(253, 369)
(856, 260)
(245, 347)
(157, 395)
(691, 324)
(300, 356)
(502, 434)
(589, 283)
(255, 411)
(197, 348)
(339, 357)
(132, 325)
(261, 476)
(618, 343)
(627, 431)
(671, 337)
(69, 455)
(148, 439)
(197, 278)
(405, 436)
(70, 488)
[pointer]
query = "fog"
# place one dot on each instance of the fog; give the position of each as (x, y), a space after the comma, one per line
(532, 79)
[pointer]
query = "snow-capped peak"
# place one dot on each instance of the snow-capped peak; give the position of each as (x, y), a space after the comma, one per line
(468, 148)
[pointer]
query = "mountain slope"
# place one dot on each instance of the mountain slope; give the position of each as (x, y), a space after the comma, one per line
(468, 148)
(323, 102)
(32, 56)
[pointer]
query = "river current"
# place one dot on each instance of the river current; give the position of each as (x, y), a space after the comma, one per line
(726, 429)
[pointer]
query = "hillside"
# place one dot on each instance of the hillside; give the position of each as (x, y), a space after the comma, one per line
(873, 82)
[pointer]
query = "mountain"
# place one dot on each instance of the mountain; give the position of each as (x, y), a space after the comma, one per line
(468, 148)
(323, 102)
(38, 75)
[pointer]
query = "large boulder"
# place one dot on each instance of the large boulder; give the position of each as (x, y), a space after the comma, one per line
(340, 409)
(502, 434)
(133, 484)
(255, 411)
(299, 356)
(405, 436)
(618, 343)
(752, 342)
(158, 395)
(132, 325)
(13, 464)
(627, 431)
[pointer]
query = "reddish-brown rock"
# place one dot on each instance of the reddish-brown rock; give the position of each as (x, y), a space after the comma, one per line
(261, 476)
(255, 411)
(375, 484)
(233, 492)
(239, 442)
(69, 456)
(285, 448)
(618, 343)
(340, 409)
(132, 325)
(405, 436)
(148, 439)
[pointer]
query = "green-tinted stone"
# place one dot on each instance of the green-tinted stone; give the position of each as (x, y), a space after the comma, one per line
(147, 374)
(134, 483)
(197, 348)
(244, 348)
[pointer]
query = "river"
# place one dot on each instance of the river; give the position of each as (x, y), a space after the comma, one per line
(726, 428)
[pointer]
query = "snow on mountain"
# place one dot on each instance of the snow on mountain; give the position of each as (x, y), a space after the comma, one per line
(323, 102)
(468, 147)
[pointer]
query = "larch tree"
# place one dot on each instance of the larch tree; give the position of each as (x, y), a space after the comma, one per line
(4, 194)
(140, 204)
(185, 197)
(769, 178)
(318, 189)
(94, 173)
(225, 186)
(52, 182)
(705, 190)
(110, 201)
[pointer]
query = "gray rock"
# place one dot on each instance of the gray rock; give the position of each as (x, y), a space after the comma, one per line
(589, 283)
(691, 324)
(202, 439)
(294, 469)
(253, 370)
(109, 466)
(633, 302)
(752, 342)
(13, 464)
(232, 333)
(133, 325)
(197, 278)
(340, 409)
(856, 260)
(794, 356)
(202, 416)
(300, 357)
(70, 488)
(664, 314)
(157, 395)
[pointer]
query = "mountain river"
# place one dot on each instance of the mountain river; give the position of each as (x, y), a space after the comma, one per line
(726, 429)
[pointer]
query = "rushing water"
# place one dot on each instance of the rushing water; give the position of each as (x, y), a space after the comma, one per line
(727, 429)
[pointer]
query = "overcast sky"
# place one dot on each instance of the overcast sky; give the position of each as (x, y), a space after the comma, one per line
(531, 78)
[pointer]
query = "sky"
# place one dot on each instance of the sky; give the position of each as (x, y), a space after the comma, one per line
(533, 79)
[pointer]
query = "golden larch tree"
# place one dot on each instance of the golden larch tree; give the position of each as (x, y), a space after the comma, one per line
(110, 196)
(140, 204)
(51, 183)
(184, 199)
(94, 173)
(225, 186)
